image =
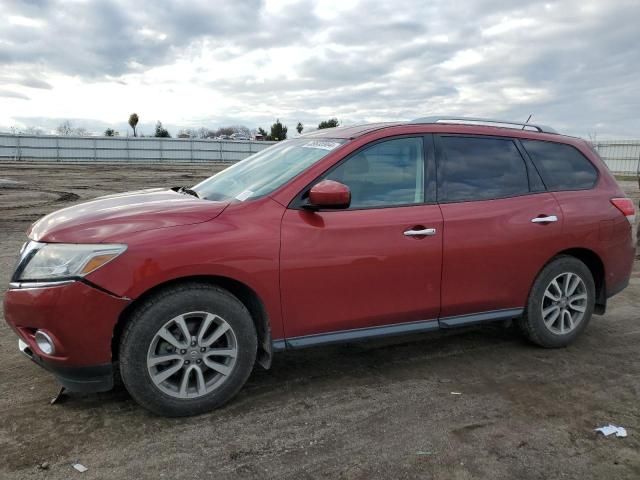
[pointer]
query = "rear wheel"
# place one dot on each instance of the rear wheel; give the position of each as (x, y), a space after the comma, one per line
(560, 304)
(187, 350)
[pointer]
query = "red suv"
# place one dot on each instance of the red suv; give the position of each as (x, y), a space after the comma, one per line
(340, 235)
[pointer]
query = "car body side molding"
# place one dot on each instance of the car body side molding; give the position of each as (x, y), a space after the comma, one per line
(356, 334)
(463, 320)
(359, 334)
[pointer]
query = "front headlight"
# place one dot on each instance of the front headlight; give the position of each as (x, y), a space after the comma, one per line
(44, 262)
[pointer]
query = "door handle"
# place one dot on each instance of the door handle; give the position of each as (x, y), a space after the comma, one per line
(425, 232)
(549, 219)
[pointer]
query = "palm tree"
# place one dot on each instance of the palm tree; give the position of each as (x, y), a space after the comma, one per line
(133, 122)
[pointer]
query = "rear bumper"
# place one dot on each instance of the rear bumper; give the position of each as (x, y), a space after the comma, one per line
(618, 288)
(618, 257)
(79, 319)
(94, 378)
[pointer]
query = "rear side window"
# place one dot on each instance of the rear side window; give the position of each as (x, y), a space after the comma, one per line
(476, 168)
(562, 166)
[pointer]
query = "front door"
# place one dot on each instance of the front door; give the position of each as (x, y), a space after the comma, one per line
(368, 265)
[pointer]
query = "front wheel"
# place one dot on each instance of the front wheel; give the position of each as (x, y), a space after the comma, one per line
(560, 304)
(187, 350)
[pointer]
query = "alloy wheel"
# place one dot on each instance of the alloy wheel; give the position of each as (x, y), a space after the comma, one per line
(564, 303)
(192, 355)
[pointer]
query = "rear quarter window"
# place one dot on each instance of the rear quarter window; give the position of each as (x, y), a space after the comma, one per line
(561, 166)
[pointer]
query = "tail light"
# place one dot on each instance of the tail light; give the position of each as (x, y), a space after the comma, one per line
(626, 207)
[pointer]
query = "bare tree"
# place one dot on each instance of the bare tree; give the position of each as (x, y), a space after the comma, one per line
(65, 128)
(27, 131)
(225, 131)
(201, 132)
(242, 130)
(186, 133)
(228, 131)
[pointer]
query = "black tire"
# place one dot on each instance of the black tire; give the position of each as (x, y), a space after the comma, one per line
(152, 315)
(532, 323)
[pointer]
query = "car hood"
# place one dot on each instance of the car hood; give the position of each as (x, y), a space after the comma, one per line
(114, 216)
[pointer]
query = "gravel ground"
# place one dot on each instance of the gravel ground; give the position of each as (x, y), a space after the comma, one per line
(376, 410)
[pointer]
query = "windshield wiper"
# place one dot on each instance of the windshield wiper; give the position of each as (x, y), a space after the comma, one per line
(186, 191)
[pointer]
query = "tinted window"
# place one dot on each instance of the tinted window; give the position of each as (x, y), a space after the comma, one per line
(562, 167)
(387, 173)
(480, 169)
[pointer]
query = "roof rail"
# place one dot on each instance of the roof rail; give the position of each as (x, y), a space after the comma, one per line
(483, 121)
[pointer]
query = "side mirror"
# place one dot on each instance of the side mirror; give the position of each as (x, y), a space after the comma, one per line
(329, 194)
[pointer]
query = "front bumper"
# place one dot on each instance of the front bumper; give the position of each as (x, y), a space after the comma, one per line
(80, 319)
(96, 378)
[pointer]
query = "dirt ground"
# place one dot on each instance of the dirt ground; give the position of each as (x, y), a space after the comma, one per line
(376, 410)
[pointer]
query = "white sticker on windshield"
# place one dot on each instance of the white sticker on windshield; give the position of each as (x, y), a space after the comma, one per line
(244, 195)
(323, 145)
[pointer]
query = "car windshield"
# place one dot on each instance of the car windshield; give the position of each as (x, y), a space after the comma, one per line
(262, 173)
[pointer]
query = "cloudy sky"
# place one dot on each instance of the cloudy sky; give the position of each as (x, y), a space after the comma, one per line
(573, 64)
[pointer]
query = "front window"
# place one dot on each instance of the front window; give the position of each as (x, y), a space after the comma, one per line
(262, 173)
(386, 174)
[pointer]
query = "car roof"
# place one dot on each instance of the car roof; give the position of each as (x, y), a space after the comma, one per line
(351, 132)
(438, 124)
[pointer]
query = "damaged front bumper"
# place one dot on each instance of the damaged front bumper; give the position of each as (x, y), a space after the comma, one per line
(96, 378)
(77, 320)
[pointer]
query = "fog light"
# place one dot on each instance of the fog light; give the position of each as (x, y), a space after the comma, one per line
(44, 342)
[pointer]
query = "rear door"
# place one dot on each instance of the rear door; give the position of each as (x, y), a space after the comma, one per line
(500, 226)
(362, 267)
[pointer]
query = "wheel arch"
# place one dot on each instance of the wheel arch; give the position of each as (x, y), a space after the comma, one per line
(594, 263)
(249, 298)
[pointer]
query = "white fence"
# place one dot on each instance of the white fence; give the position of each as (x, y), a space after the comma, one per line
(620, 155)
(52, 148)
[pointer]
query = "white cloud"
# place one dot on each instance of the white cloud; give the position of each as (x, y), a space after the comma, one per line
(506, 25)
(21, 21)
(152, 34)
(202, 63)
(463, 58)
